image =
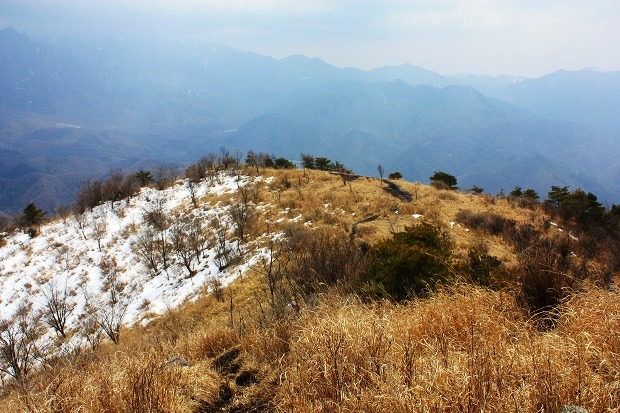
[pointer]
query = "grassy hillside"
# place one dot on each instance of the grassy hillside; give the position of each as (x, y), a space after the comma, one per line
(305, 330)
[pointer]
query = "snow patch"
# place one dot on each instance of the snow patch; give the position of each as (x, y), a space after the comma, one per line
(70, 253)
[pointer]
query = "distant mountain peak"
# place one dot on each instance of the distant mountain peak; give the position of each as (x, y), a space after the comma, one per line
(10, 34)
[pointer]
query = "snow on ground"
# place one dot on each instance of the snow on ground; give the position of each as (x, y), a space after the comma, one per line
(66, 253)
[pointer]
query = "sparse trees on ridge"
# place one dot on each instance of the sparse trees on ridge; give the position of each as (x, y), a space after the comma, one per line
(262, 160)
(322, 164)
(476, 190)
(143, 177)
(381, 171)
(443, 180)
(32, 215)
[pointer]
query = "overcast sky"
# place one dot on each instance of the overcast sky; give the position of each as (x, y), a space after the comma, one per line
(515, 37)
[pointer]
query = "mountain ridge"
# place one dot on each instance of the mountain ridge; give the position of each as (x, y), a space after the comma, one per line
(179, 100)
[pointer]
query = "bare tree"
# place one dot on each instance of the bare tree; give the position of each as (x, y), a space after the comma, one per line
(18, 344)
(163, 250)
(164, 176)
(224, 254)
(188, 241)
(273, 265)
(4, 223)
(227, 159)
(80, 222)
(158, 219)
(182, 248)
(197, 238)
(57, 307)
(112, 309)
(197, 171)
(215, 284)
(237, 164)
(90, 195)
(191, 187)
(99, 225)
(381, 171)
(212, 164)
(146, 245)
(242, 213)
(113, 189)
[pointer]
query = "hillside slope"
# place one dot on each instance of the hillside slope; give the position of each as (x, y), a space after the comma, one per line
(257, 323)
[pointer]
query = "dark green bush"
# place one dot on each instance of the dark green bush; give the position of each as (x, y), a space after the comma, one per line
(411, 263)
(484, 269)
(443, 180)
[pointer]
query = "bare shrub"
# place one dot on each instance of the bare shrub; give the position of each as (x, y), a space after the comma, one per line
(242, 212)
(157, 215)
(273, 266)
(99, 226)
(18, 344)
(80, 222)
(145, 244)
(522, 236)
(164, 176)
(188, 241)
(191, 187)
(225, 255)
(90, 329)
(110, 308)
(548, 275)
(488, 222)
(154, 244)
(57, 307)
(322, 260)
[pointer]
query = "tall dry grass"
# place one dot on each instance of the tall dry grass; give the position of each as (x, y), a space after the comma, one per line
(461, 350)
(464, 350)
(119, 382)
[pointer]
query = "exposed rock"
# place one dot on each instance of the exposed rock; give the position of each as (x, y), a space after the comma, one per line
(177, 361)
(569, 408)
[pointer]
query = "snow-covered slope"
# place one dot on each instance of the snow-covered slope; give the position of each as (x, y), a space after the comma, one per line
(89, 253)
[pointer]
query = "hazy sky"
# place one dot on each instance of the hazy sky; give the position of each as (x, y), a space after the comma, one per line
(516, 37)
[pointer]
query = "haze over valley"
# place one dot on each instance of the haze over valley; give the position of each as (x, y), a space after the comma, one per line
(72, 110)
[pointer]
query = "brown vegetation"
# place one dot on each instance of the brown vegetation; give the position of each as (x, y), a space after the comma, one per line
(299, 333)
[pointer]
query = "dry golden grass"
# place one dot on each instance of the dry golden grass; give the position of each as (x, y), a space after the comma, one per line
(138, 381)
(323, 199)
(466, 349)
(462, 349)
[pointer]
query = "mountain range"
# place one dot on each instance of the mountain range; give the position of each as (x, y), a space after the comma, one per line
(73, 109)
